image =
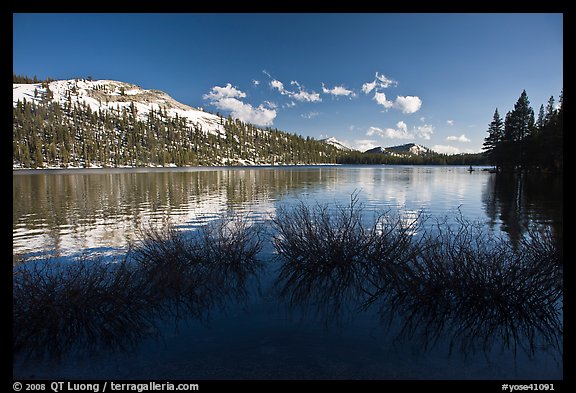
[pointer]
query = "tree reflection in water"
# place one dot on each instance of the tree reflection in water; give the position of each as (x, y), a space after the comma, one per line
(90, 305)
(327, 254)
(59, 306)
(193, 273)
(519, 200)
(452, 282)
(479, 292)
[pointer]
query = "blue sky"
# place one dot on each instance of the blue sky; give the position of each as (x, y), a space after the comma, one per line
(367, 79)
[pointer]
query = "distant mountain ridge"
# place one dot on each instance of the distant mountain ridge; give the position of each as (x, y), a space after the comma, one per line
(408, 149)
(337, 144)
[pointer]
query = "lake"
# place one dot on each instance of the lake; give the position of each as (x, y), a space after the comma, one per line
(64, 214)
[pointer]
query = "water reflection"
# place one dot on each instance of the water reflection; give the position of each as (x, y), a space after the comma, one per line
(87, 305)
(515, 201)
(333, 258)
(70, 212)
(396, 276)
(454, 284)
(436, 188)
(477, 292)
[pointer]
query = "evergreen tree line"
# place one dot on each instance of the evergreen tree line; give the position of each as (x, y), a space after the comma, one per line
(520, 143)
(412, 159)
(46, 133)
(24, 79)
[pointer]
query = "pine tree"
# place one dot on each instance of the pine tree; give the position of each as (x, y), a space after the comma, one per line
(550, 111)
(492, 143)
(39, 159)
(523, 117)
(541, 119)
(517, 129)
(495, 132)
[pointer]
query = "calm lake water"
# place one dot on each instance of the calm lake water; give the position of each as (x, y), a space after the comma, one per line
(98, 212)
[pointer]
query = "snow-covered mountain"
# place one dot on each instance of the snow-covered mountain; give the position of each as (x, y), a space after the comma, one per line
(403, 150)
(111, 95)
(106, 123)
(376, 150)
(337, 144)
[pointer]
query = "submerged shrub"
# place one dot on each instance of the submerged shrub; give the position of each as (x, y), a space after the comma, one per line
(87, 304)
(60, 306)
(452, 280)
(229, 248)
(330, 256)
(168, 264)
(197, 268)
(478, 290)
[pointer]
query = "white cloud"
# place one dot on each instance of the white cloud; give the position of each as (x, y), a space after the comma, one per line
(240, 110)
(291, 104)
(228, 91)
(461, 138)
(338, 91)
(302, 95)
(309, 115)
(402, 126)
(385, 82)
(390, 133)
(446, 149)
(305, 96)
(408, 104)
(365, 144)
(226, 98)
(425, 131)
(380, 98)
(422, 119)
(276, 84)
(368, 87)
(450, 122)
(255, 82)
(266, 73)
(373, 130)
(380, 82)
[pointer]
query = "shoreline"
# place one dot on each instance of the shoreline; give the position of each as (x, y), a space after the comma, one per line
(19, 170)
(16, 170)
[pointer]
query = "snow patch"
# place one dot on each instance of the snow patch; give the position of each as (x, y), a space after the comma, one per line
(109, 95)
(337, 144)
